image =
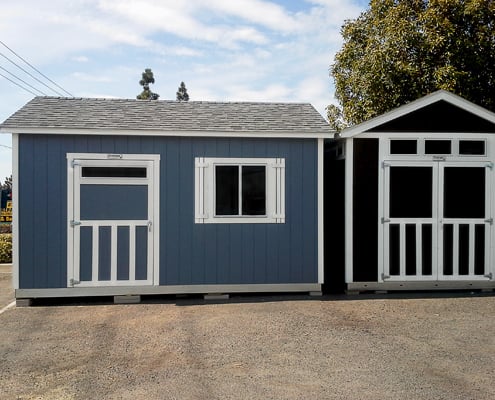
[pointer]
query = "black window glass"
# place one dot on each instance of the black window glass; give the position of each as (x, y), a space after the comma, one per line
(253, 190)
(472, 147)
(438, 147)
(411, 191)
(227, 190)
(114, 172)
(403, 146)
(464, 192)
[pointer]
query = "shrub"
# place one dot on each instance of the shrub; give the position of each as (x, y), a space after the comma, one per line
(5, 248)
(5, 228)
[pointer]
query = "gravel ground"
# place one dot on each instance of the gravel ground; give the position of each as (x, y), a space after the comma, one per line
(6, 291)
(252, 348)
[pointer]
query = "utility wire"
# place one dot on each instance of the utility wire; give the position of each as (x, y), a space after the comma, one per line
(23, 81)
(15, 83)
(3, 145)
(36, 69)
(30, 74)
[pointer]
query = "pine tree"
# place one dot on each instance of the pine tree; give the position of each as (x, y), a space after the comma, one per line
(147, 94)
(182, 93)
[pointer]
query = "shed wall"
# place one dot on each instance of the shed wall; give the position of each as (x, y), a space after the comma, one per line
(189, 253)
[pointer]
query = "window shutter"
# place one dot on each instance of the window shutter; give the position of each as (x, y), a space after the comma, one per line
(279, 190)
(200, 190)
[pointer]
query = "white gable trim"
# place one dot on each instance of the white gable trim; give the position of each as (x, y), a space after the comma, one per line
(156, 132)
(416, 105)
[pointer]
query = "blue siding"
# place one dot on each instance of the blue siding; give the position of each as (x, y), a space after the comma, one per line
(104, 253)
(86, 254)
(189, 253)
(123, 253)
(141, 252)
(114, 202)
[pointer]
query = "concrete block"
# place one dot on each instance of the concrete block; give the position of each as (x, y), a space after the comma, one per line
(23, 302)
(216, 296)
(127, 299)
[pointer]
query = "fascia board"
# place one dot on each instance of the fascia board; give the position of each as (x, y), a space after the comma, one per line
(153, 132)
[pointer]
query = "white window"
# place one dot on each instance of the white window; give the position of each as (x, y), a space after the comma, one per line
(239, 190)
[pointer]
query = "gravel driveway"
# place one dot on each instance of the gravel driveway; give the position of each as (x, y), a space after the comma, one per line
(252, 348)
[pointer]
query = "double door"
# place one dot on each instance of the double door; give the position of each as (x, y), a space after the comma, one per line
(436, 221)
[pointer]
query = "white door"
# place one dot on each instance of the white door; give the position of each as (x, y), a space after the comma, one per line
(436, 221)
(113, 221)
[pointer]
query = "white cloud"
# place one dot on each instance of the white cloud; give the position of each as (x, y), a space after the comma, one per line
(81, 59)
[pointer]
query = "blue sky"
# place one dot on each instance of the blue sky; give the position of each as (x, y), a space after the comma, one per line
(224, 50)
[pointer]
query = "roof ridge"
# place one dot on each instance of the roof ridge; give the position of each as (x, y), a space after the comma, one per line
(173, 101)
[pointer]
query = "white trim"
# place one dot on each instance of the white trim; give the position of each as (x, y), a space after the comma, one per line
(204, 196)
(158, 132)
(416, 105)
(112, 157)
(382, 195)
(321, 243)
(421, 285)
(173, 289)
(15, 211)
(349, 182)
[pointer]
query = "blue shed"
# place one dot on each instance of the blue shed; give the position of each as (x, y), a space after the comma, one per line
(130, 197)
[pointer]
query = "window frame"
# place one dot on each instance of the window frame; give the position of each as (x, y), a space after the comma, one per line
(205, 189)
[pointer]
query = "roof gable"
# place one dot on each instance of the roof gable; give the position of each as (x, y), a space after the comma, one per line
(441, 111)
(164, 117)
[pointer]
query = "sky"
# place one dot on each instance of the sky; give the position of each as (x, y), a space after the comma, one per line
(224, 50)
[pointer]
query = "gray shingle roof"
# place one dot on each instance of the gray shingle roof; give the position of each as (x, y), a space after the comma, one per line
(123, 114)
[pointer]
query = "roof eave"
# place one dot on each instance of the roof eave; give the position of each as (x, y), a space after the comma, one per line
(310, 134)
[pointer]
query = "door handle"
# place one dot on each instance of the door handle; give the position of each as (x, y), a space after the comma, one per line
(149, 226)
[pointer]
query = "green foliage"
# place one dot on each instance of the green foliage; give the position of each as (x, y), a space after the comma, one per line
(182, 93)
(7, 184)
(146, 80)
(399, 50)
(5, 248)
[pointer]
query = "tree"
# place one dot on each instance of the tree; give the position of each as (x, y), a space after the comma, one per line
(8, 183)
(399, 50)
(147, 94)
(182, 93)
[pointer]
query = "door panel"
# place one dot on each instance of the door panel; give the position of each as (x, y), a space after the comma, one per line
(115, 202)
(410, 220)
(437, 221)
(113, 222)
(465, 221)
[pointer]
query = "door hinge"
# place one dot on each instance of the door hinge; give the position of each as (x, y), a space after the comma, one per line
(490, 165)
(385, 220)
(73, 282)
(489, 220)
(385, 277)
(149, 226)
(384, 164)
(75, 223)
(74, 163)
(489, 275)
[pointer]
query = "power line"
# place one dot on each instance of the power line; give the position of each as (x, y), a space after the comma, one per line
(31, 75)
(36, 69)
(3, 145)
(15, 83)
(23, 81)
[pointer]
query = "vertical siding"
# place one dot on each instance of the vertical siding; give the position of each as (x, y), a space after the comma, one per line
(189, 253)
